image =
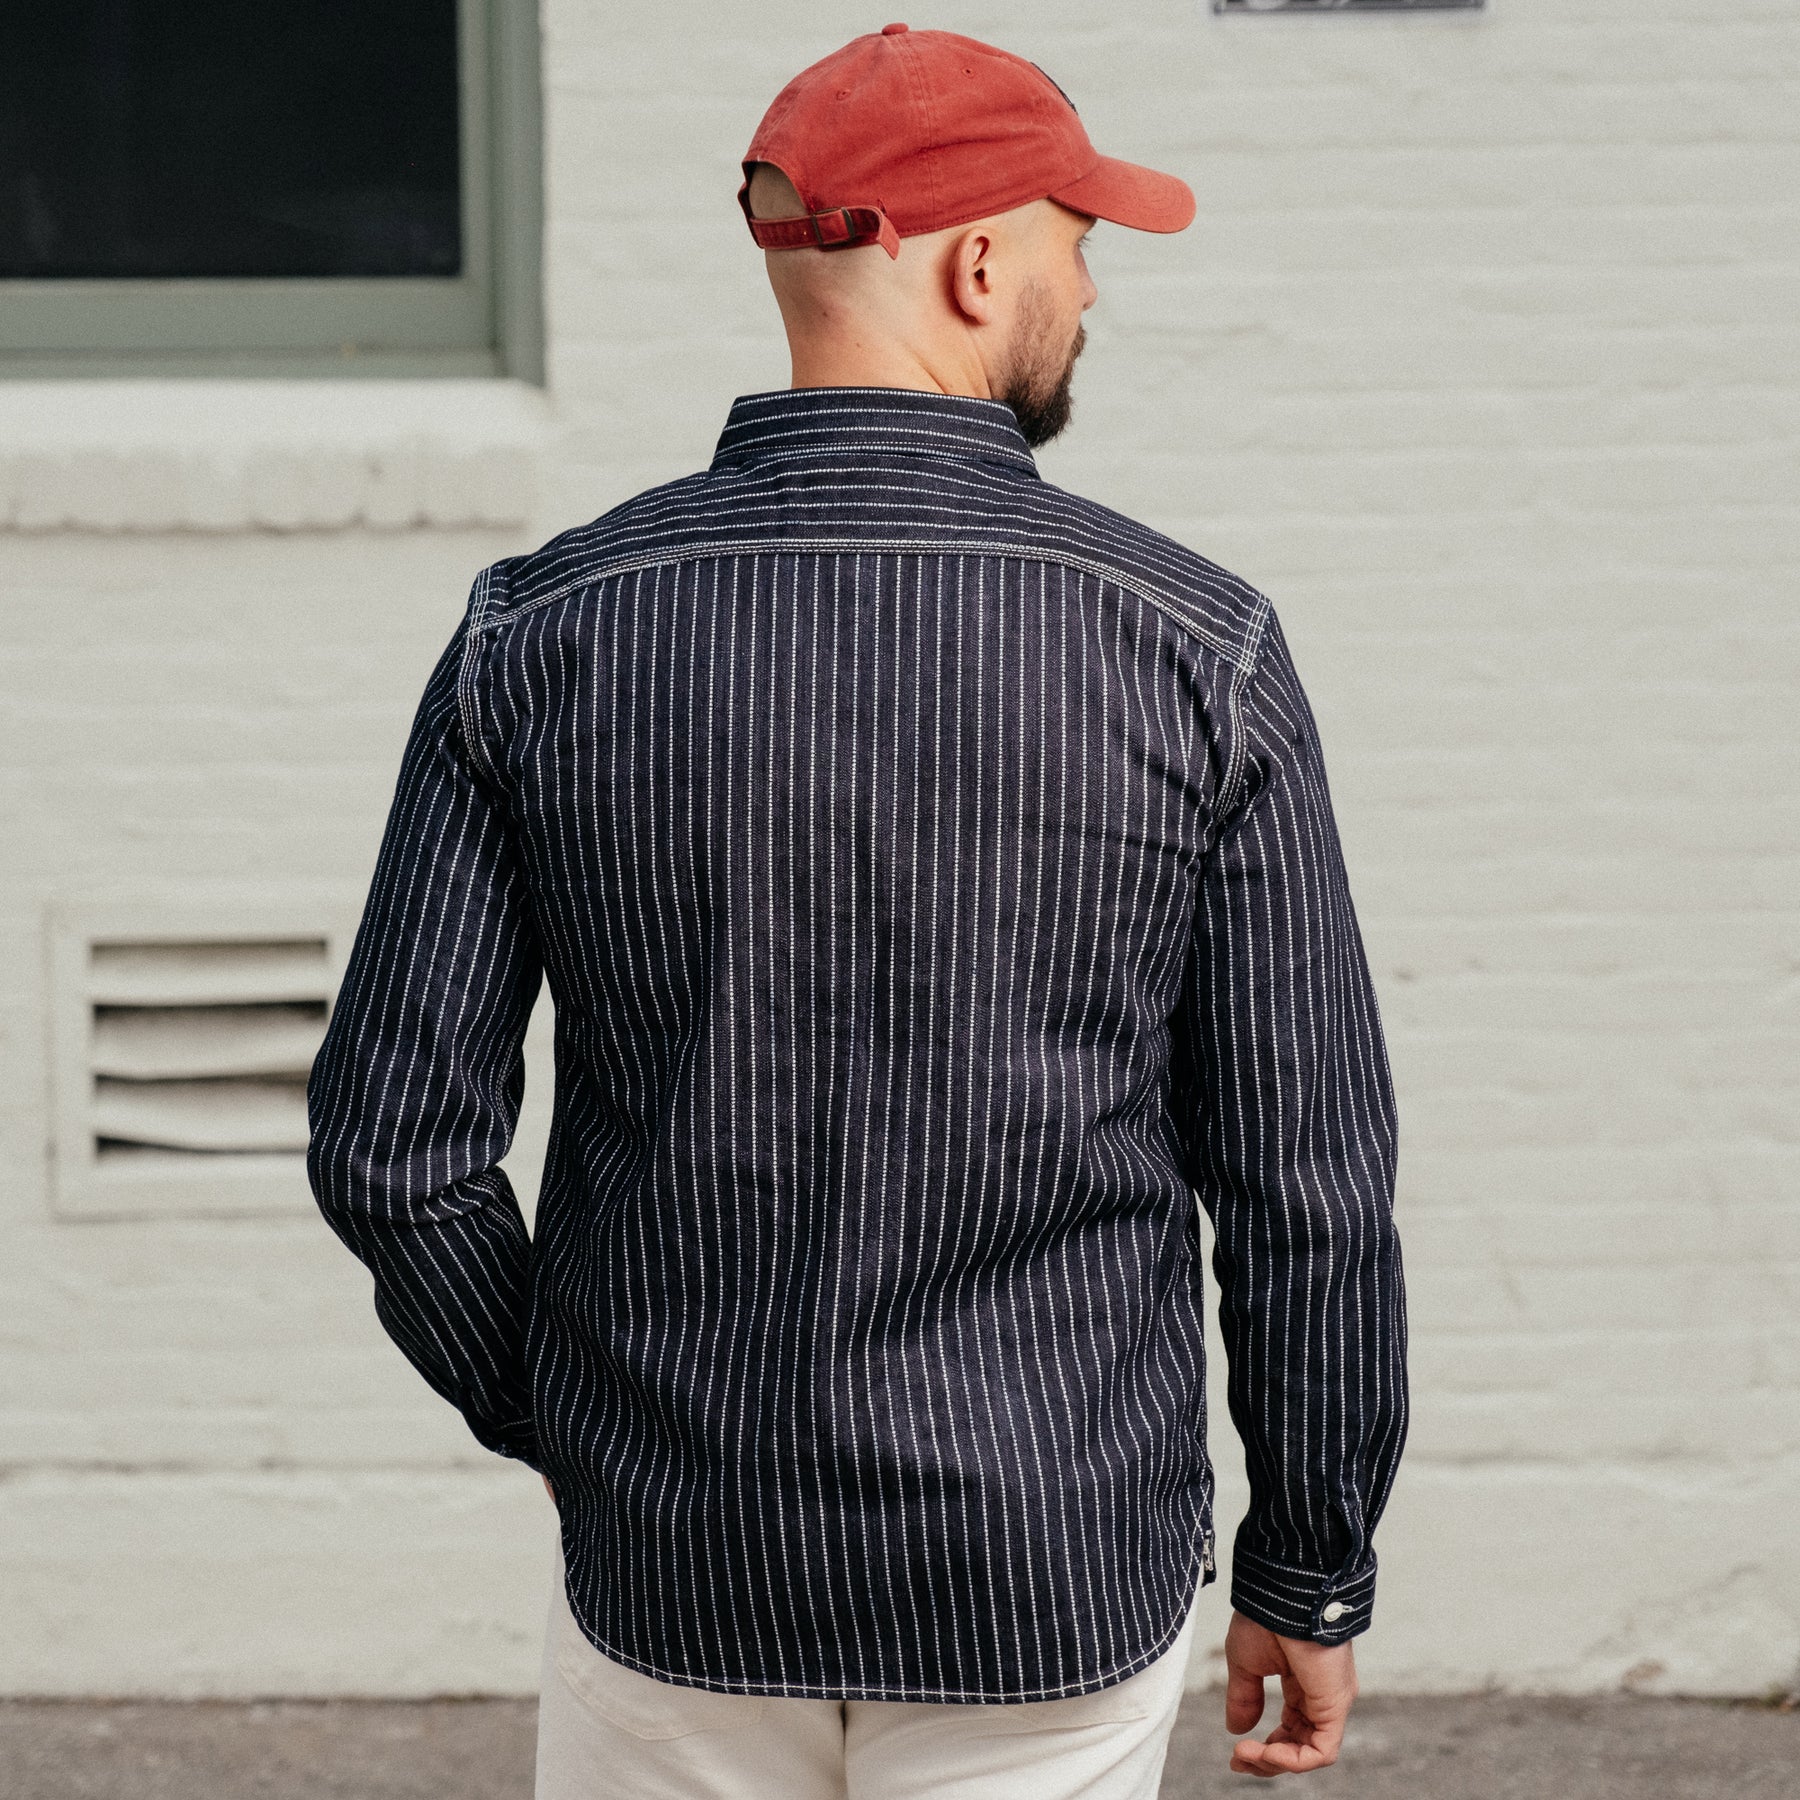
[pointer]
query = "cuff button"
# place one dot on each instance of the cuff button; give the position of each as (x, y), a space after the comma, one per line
(1334, 1612)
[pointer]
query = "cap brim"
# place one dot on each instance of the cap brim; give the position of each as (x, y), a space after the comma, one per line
(1123, 193)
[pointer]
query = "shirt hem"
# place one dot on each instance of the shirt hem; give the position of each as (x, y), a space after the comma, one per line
(1199, 1574)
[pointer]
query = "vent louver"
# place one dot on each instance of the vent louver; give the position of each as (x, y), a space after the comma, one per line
(204, 1047)
(184, 1044)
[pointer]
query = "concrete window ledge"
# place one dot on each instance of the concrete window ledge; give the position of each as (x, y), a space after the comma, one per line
(238, 456)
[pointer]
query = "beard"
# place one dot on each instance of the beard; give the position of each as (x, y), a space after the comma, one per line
(1039, 385)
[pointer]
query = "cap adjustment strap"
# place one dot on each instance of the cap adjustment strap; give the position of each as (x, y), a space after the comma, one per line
(837, 228)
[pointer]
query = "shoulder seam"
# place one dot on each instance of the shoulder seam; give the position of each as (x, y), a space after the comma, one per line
(473, 744)
(1234, 767)
(1242, 658)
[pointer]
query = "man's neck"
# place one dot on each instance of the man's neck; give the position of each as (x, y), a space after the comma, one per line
(850, 362)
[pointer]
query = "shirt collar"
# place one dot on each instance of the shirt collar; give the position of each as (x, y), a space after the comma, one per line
(825, 421)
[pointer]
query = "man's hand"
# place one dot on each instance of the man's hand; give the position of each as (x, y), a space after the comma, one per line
(1318, 1684)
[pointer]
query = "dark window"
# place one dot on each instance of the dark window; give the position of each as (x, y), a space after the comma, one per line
(308, 186)
(157, 138)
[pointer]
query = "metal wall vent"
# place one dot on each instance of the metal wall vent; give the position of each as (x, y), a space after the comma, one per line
(1332, 6)
(183, 1059)
(204, 1048)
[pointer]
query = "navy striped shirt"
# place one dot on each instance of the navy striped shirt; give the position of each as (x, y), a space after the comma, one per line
(937, 883)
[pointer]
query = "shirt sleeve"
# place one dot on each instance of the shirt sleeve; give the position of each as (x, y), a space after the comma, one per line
(414, 1095)
(1283, 1094)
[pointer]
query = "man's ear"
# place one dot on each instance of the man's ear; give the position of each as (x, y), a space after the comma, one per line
(972, 277)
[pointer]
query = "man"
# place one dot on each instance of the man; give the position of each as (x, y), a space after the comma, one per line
(937, 882)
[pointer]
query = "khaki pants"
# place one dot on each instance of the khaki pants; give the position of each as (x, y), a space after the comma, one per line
(605, 1732)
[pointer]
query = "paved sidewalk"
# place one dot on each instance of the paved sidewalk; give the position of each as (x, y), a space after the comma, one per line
(1473, 1748)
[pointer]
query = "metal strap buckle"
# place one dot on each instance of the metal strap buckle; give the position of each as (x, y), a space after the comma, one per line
(839, 212)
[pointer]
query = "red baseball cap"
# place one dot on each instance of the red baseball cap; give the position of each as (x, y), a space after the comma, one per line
(904, 132)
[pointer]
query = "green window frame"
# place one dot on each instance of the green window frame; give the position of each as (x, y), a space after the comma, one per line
(488, 320)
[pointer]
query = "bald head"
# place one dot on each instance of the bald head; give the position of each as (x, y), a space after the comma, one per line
(991, 308)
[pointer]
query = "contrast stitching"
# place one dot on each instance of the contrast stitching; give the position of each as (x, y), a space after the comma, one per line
(1236, 760)
(473, 744)
(1242, 657)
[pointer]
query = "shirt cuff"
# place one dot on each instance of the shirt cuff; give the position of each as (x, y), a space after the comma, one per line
(1327, 1608)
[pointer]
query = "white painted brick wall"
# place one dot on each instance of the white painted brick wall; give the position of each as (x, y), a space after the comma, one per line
(1483, 359)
